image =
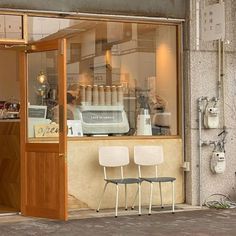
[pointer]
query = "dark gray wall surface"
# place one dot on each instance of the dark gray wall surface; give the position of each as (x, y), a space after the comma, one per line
(154, 8)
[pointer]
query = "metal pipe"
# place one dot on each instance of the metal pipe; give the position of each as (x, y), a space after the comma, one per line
(197, 25)
(219, 70)
(222, 82)
(200, 148)
(200, 142)
(94, 16)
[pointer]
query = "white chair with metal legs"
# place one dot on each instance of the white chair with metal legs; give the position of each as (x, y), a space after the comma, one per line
(117, 156)
(153, 156)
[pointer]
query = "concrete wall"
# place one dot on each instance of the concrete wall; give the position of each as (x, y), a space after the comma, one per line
(171, 8)
(201, 80)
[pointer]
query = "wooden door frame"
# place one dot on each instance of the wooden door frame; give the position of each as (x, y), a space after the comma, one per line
(59, 45)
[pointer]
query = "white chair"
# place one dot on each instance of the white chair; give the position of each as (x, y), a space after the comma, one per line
(117, 156)
(153, 156)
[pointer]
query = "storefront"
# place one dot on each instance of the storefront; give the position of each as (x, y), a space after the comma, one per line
(82, 82)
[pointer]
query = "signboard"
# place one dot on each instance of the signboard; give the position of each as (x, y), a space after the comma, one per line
(46, 130)
(213, 22)
(74, 129)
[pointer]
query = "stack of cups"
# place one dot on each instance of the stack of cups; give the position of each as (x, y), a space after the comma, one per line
(89, 95)
(95, 95)
(82, 95)
(101, 95)
(113, 96)
(108, 95)
(120, 95)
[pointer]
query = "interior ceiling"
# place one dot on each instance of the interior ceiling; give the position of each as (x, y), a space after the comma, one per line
(84, 26)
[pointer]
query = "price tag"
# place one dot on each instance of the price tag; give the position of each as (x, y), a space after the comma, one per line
(74, 128)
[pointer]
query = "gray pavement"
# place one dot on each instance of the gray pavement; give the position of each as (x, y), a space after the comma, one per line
(198, 222)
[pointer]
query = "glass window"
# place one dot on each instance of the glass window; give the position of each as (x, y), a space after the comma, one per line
(121, 77)
(43, 111)
(125, 78)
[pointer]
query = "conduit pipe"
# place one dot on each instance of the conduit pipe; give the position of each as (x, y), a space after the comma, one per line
(222, 82)
(200, 142)
(219, 70)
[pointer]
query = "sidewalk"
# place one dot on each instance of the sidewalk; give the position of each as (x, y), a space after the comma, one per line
(197, 223)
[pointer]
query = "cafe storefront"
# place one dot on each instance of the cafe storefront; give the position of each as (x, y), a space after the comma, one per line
(76, 82)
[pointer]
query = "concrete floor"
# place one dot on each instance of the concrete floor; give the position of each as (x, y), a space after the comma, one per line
(187, 222)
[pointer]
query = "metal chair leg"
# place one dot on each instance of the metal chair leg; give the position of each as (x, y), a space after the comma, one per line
(173, 197)
(117, 199)
(126, 208)
(160, 194)
(139, 199)
(104, 189)
(136, 194)
(150, 202)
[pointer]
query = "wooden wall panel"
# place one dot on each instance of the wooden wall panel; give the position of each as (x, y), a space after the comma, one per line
(10, 165)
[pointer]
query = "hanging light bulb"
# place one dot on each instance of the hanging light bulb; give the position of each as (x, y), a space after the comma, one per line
(41, 78)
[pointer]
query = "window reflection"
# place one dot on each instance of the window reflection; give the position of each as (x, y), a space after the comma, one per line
(122, 76)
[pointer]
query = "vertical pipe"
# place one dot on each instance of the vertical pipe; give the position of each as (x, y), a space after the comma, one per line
(200, 149)
(219, 70)
(222, 82)
(197, 25)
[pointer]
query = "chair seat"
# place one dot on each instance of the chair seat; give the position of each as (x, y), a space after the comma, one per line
(124, 181)
(159, 179)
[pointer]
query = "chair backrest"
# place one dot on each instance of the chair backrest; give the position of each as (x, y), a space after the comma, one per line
(113, 156)
(148, 155)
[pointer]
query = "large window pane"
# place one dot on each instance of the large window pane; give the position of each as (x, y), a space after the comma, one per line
(124, 70)
(121, 77)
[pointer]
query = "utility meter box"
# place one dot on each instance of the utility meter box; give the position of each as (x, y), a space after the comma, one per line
(211, 118)
(218, 162)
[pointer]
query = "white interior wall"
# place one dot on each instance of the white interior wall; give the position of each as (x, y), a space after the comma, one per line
(166, 66)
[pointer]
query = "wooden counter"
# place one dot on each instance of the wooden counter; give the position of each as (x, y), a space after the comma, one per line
(10, 165)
